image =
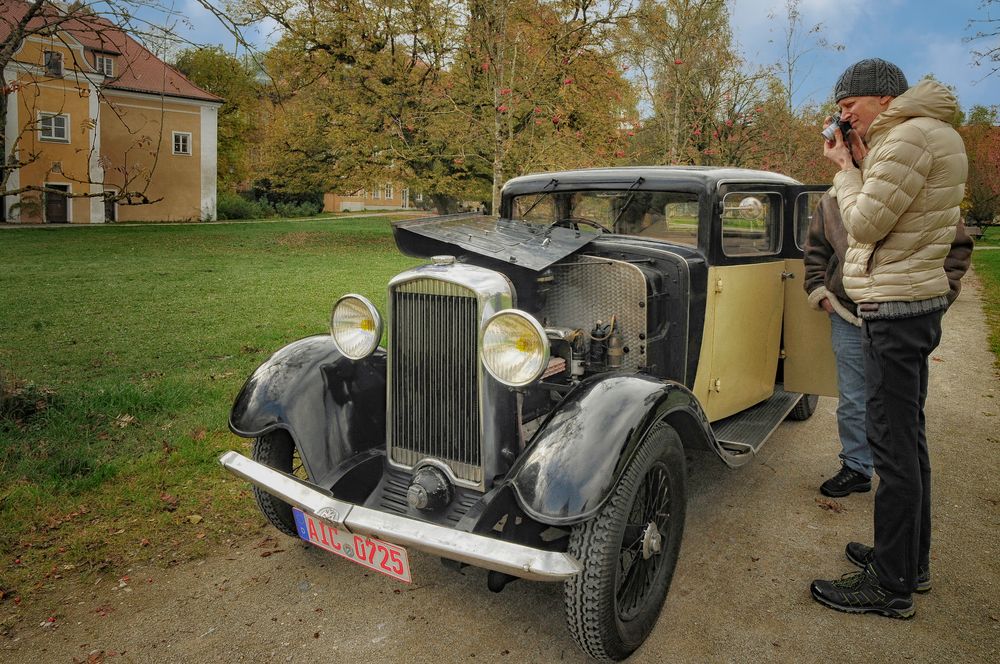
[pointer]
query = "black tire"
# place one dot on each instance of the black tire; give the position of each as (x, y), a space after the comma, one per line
(804, 408)
(613, 604)
(276, 450)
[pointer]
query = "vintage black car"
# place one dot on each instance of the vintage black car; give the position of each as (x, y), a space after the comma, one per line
(542, 375)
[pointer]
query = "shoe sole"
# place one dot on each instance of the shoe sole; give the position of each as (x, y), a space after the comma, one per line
(922, 587)
(899, 614)
(862, 488)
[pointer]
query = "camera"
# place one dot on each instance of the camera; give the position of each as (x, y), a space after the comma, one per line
(845, 127)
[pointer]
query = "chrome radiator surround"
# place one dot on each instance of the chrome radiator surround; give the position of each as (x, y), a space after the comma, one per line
(436, 385)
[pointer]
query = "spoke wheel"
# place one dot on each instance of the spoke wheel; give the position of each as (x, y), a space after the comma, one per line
(629, 551)
(276, 450)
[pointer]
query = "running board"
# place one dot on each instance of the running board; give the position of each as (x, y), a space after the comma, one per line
(748, 430)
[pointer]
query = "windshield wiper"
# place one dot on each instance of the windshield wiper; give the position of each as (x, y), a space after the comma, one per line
(543, 194)
(631, 192)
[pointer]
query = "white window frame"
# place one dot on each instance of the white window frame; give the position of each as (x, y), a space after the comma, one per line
(376, 194)
(53, 138)
(388, 192)
(173, 140)
(105, 64)
(45, 63)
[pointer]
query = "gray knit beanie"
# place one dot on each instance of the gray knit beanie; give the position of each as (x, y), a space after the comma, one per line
(873, 77)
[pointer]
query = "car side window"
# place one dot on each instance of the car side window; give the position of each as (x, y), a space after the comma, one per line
(805, 208)
(751, 223)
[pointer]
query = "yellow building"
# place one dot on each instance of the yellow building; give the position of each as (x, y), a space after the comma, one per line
(388, 196)
(94, 114)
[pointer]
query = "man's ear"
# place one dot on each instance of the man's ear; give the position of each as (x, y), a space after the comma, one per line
(884, 101)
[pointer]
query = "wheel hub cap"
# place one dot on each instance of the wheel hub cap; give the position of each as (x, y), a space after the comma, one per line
(652, 541)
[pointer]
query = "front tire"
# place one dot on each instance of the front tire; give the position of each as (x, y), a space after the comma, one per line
(613, 604)
(276, 450)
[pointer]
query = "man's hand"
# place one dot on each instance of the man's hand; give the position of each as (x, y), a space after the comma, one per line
(858, 148)
(827, 306)
(837, 151)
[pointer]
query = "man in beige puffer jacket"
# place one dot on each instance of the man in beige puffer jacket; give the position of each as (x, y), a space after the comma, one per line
(901, 211)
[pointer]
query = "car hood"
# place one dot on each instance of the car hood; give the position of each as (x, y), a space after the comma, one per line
(530, 245)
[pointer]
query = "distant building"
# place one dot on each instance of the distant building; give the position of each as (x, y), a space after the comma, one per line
(384, 197)
(93, 111)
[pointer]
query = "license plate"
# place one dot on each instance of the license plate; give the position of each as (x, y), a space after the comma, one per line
(375, 554)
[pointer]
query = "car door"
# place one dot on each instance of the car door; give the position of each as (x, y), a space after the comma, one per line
(744, 303)
(809, 363)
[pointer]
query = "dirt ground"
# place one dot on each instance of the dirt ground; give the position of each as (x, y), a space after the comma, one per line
(754, 539)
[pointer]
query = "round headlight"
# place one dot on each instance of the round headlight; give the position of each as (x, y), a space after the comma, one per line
(356, 326)
(515, 348)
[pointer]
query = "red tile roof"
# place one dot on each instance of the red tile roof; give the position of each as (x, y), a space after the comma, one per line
(135, 68)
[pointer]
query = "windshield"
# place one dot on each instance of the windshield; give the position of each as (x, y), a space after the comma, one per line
(664, 215)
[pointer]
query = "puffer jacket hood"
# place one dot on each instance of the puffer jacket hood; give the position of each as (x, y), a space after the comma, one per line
(901, 209)
(926, 99)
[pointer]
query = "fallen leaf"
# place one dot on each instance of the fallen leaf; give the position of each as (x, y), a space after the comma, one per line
(194, 518)
(124, 420)
(831, 505)
(198, 434)
(144, 542)
(171, 502)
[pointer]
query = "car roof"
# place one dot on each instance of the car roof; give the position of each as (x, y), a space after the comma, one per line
(653, 177)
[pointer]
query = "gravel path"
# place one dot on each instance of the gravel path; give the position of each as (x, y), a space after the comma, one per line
(755, 538)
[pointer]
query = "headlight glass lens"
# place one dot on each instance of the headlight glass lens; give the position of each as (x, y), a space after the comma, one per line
(356, 326)
(515, 348)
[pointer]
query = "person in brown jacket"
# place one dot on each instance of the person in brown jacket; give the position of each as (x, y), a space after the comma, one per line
(825, 248)
(901, 212)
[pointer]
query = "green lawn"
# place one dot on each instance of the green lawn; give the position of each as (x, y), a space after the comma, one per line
(121, 349)
(987, 265)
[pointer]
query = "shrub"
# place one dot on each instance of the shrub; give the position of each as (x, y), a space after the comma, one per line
(234, 206)
(302, 209)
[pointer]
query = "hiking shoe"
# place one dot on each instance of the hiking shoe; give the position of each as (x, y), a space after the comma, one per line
(845, 482)
(861, 555)
(860, 592)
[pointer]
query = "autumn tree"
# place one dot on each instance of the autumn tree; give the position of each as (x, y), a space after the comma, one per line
(982, 188)
(985, 37)
(703, 100)
(222, 74)
(535, 86)
(356, 88)
(450, 98)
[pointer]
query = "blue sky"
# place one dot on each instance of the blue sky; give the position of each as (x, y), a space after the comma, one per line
(921, 36)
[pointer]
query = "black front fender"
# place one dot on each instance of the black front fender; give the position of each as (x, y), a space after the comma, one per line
(579, 453)
(332, 406)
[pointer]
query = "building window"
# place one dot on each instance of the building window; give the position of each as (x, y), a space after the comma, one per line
(105, 65)
(388, 192)
(182, 142)
(54, 127)
(53, 63)
(376, 194)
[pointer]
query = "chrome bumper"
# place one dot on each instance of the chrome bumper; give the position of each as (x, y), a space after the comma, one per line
(487, 552)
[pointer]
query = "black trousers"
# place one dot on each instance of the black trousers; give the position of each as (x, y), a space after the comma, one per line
(896, 353)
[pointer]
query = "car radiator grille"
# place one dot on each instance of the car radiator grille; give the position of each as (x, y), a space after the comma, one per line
(434, 360)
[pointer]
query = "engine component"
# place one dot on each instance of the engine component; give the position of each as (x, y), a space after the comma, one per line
(616, 349)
